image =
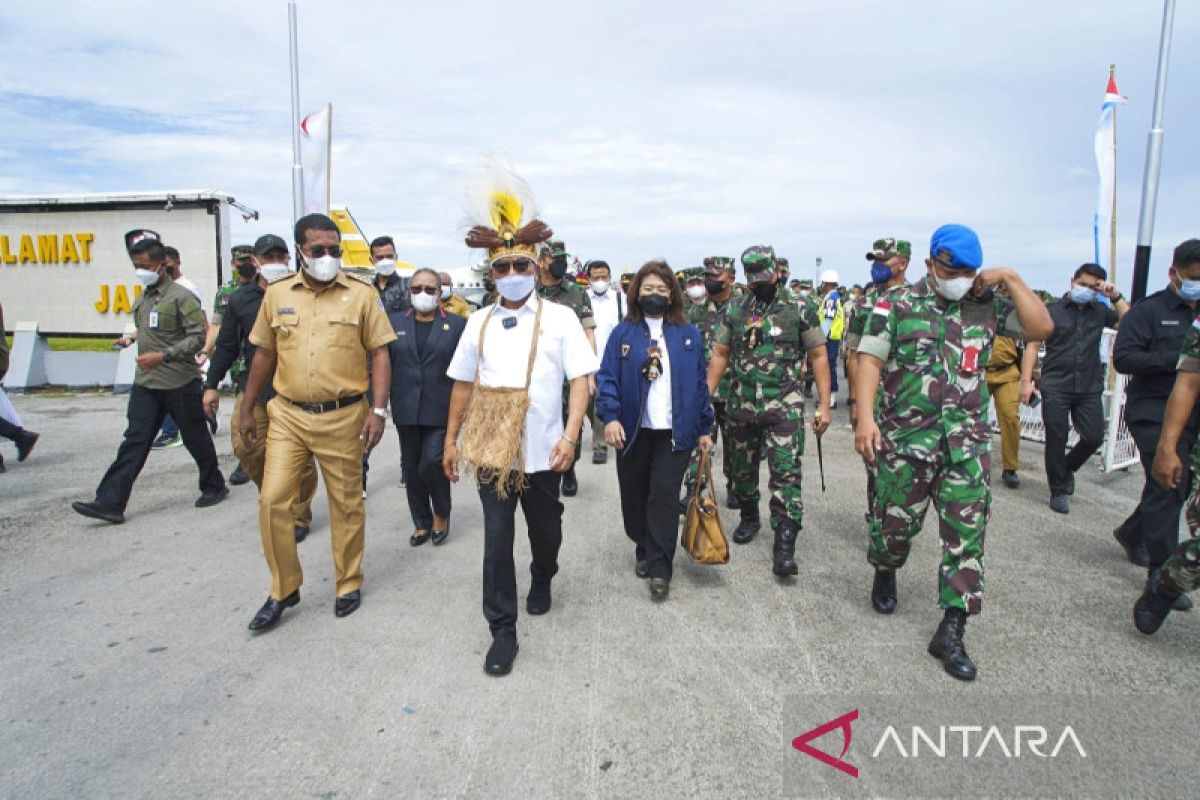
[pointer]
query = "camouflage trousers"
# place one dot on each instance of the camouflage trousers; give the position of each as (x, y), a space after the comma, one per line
(781, 432)
(1181, 572)
(962, 497)
(721, 436)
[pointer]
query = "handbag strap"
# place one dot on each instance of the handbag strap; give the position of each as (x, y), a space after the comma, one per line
(704, 476)
(537, 329)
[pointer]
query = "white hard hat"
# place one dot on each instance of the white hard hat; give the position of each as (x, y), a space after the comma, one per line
(829, 276)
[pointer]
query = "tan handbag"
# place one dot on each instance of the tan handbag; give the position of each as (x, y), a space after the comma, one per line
(703, 536)
(490, 437)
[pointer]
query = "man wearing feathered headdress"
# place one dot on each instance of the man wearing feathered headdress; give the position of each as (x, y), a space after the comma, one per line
(505, 420)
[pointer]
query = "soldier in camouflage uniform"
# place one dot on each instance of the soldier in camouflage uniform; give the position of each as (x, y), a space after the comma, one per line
(718, 273)
(763, 338)
(693, 288)
(930, 343)
(1180, 573)
(552, 269)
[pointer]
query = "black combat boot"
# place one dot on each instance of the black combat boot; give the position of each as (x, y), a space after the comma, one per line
(731, 499)
(1151, 609)
(947, 645)
(749, 527)
(883, 591)
(785, 550)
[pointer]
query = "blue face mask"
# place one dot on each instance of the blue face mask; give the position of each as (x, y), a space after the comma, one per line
(1082, 295)
(1189, 290)
(880, 272)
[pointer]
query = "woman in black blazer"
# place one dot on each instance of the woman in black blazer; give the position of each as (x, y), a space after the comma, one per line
(426, 337)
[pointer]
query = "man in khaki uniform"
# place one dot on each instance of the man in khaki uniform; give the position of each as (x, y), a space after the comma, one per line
(1004, 384)
(316, 330)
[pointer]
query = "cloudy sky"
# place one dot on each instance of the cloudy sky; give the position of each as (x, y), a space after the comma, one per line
(647, 129)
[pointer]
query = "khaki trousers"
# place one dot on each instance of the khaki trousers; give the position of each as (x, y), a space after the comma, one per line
(294, 438)
(1007, 397)
(253, 459)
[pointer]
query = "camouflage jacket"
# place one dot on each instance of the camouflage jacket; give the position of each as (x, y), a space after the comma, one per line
(1189, 356)
(706, 316)
(221, 300)
(766, 351)
(933, 393)
(569, 294)
(857, 314)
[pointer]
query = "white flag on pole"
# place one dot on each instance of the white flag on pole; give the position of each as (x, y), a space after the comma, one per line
(1105, 133)
(316, 136)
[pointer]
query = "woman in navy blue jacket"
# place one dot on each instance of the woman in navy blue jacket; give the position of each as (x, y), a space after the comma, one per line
(652, 395)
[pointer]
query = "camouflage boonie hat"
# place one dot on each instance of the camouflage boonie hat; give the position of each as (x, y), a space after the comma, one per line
(758, 262)
(241, 251)
(889, 248)
(720, 264)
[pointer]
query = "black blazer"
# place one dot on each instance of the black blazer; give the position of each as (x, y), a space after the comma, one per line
(420, 386)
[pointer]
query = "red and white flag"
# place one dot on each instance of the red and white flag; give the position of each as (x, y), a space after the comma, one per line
(316, 136)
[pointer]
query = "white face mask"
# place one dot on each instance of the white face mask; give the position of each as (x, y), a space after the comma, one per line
(273, 272)
(424, 303)
(697, 292)
(322, 269)
(446, 292)
(599, 287)
(385, 266)
(515, 287)
(953, 289)
(147, 277)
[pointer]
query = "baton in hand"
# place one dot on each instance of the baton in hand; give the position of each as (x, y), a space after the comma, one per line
(820, 455)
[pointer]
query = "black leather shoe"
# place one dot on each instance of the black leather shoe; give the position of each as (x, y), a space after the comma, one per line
(1183, 603)
(883, 591)
(25, 442)
(600, 457)
(439, 536)
(538, 601)
(301, 532)
(346, 604)
(570, 485)
(1059, 503)
(272, 610)
(96, 511)
(749, 527)
(784, 551)
(1135, 552)
(501, 654)
(1151, 609)
(1011, 479)
(642, 569)
(239, 477)
(212, 498)
(659, 588)
(947, 645)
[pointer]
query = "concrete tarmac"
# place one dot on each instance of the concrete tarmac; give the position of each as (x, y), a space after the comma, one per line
(127, 670)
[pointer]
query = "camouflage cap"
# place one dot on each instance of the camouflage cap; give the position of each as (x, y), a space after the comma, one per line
(888, 248)
(240, 251)
(555, 248)
(692, 274)
(758, 262)
(720, 264)
(782, 264)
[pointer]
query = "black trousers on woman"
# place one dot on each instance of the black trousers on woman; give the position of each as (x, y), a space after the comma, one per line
(426, 484)
(650, 473)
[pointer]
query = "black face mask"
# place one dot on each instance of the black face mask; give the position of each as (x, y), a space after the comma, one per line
(247, 269)
(714, 286)
(764, 292)
(558, 268)
(653, 305)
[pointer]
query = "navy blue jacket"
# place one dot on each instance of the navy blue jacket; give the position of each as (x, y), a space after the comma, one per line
(621, 389)
(420, 386)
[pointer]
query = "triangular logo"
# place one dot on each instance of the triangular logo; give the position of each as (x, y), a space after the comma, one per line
(801, 743)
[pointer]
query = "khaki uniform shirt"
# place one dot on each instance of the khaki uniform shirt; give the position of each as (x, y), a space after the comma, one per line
(321, 338)
(170, 321)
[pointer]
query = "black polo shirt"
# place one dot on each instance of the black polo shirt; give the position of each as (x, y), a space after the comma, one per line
(1072, 360)
(1147, 349)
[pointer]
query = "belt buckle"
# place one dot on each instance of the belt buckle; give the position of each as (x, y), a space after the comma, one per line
(311, 408)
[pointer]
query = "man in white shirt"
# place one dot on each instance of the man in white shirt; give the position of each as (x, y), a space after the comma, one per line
(563, 351)
(608, 308)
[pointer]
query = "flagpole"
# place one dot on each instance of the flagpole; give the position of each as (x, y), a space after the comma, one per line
(1112, 241)
(329, 160)
(297, 167)
(1141, 259)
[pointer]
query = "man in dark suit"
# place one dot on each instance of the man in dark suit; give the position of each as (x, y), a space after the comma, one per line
(426, 337)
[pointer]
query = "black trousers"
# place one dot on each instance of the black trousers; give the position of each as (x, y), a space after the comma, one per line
(8, 430)
(649, 473)
(1155, 521)
(425, 483)
(1086, 413)
(543, 517)
(145, 413)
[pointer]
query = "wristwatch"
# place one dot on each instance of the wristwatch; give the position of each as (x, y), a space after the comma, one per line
(380, 412)
(166, 358)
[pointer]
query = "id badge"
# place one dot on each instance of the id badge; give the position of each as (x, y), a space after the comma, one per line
(153, 319)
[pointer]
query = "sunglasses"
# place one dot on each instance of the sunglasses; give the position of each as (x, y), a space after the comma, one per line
(319, 251)
(416, 290)
(519, 267)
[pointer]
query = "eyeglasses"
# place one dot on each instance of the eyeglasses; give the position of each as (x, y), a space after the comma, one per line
(520, 267)
(318, 251)
(416, 290)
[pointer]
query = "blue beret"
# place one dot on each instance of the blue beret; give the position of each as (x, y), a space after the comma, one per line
(957, 247)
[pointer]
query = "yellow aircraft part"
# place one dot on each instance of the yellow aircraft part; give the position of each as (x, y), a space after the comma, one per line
(355, 251)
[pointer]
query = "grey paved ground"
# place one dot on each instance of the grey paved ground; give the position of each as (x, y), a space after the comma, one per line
(126, 668)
